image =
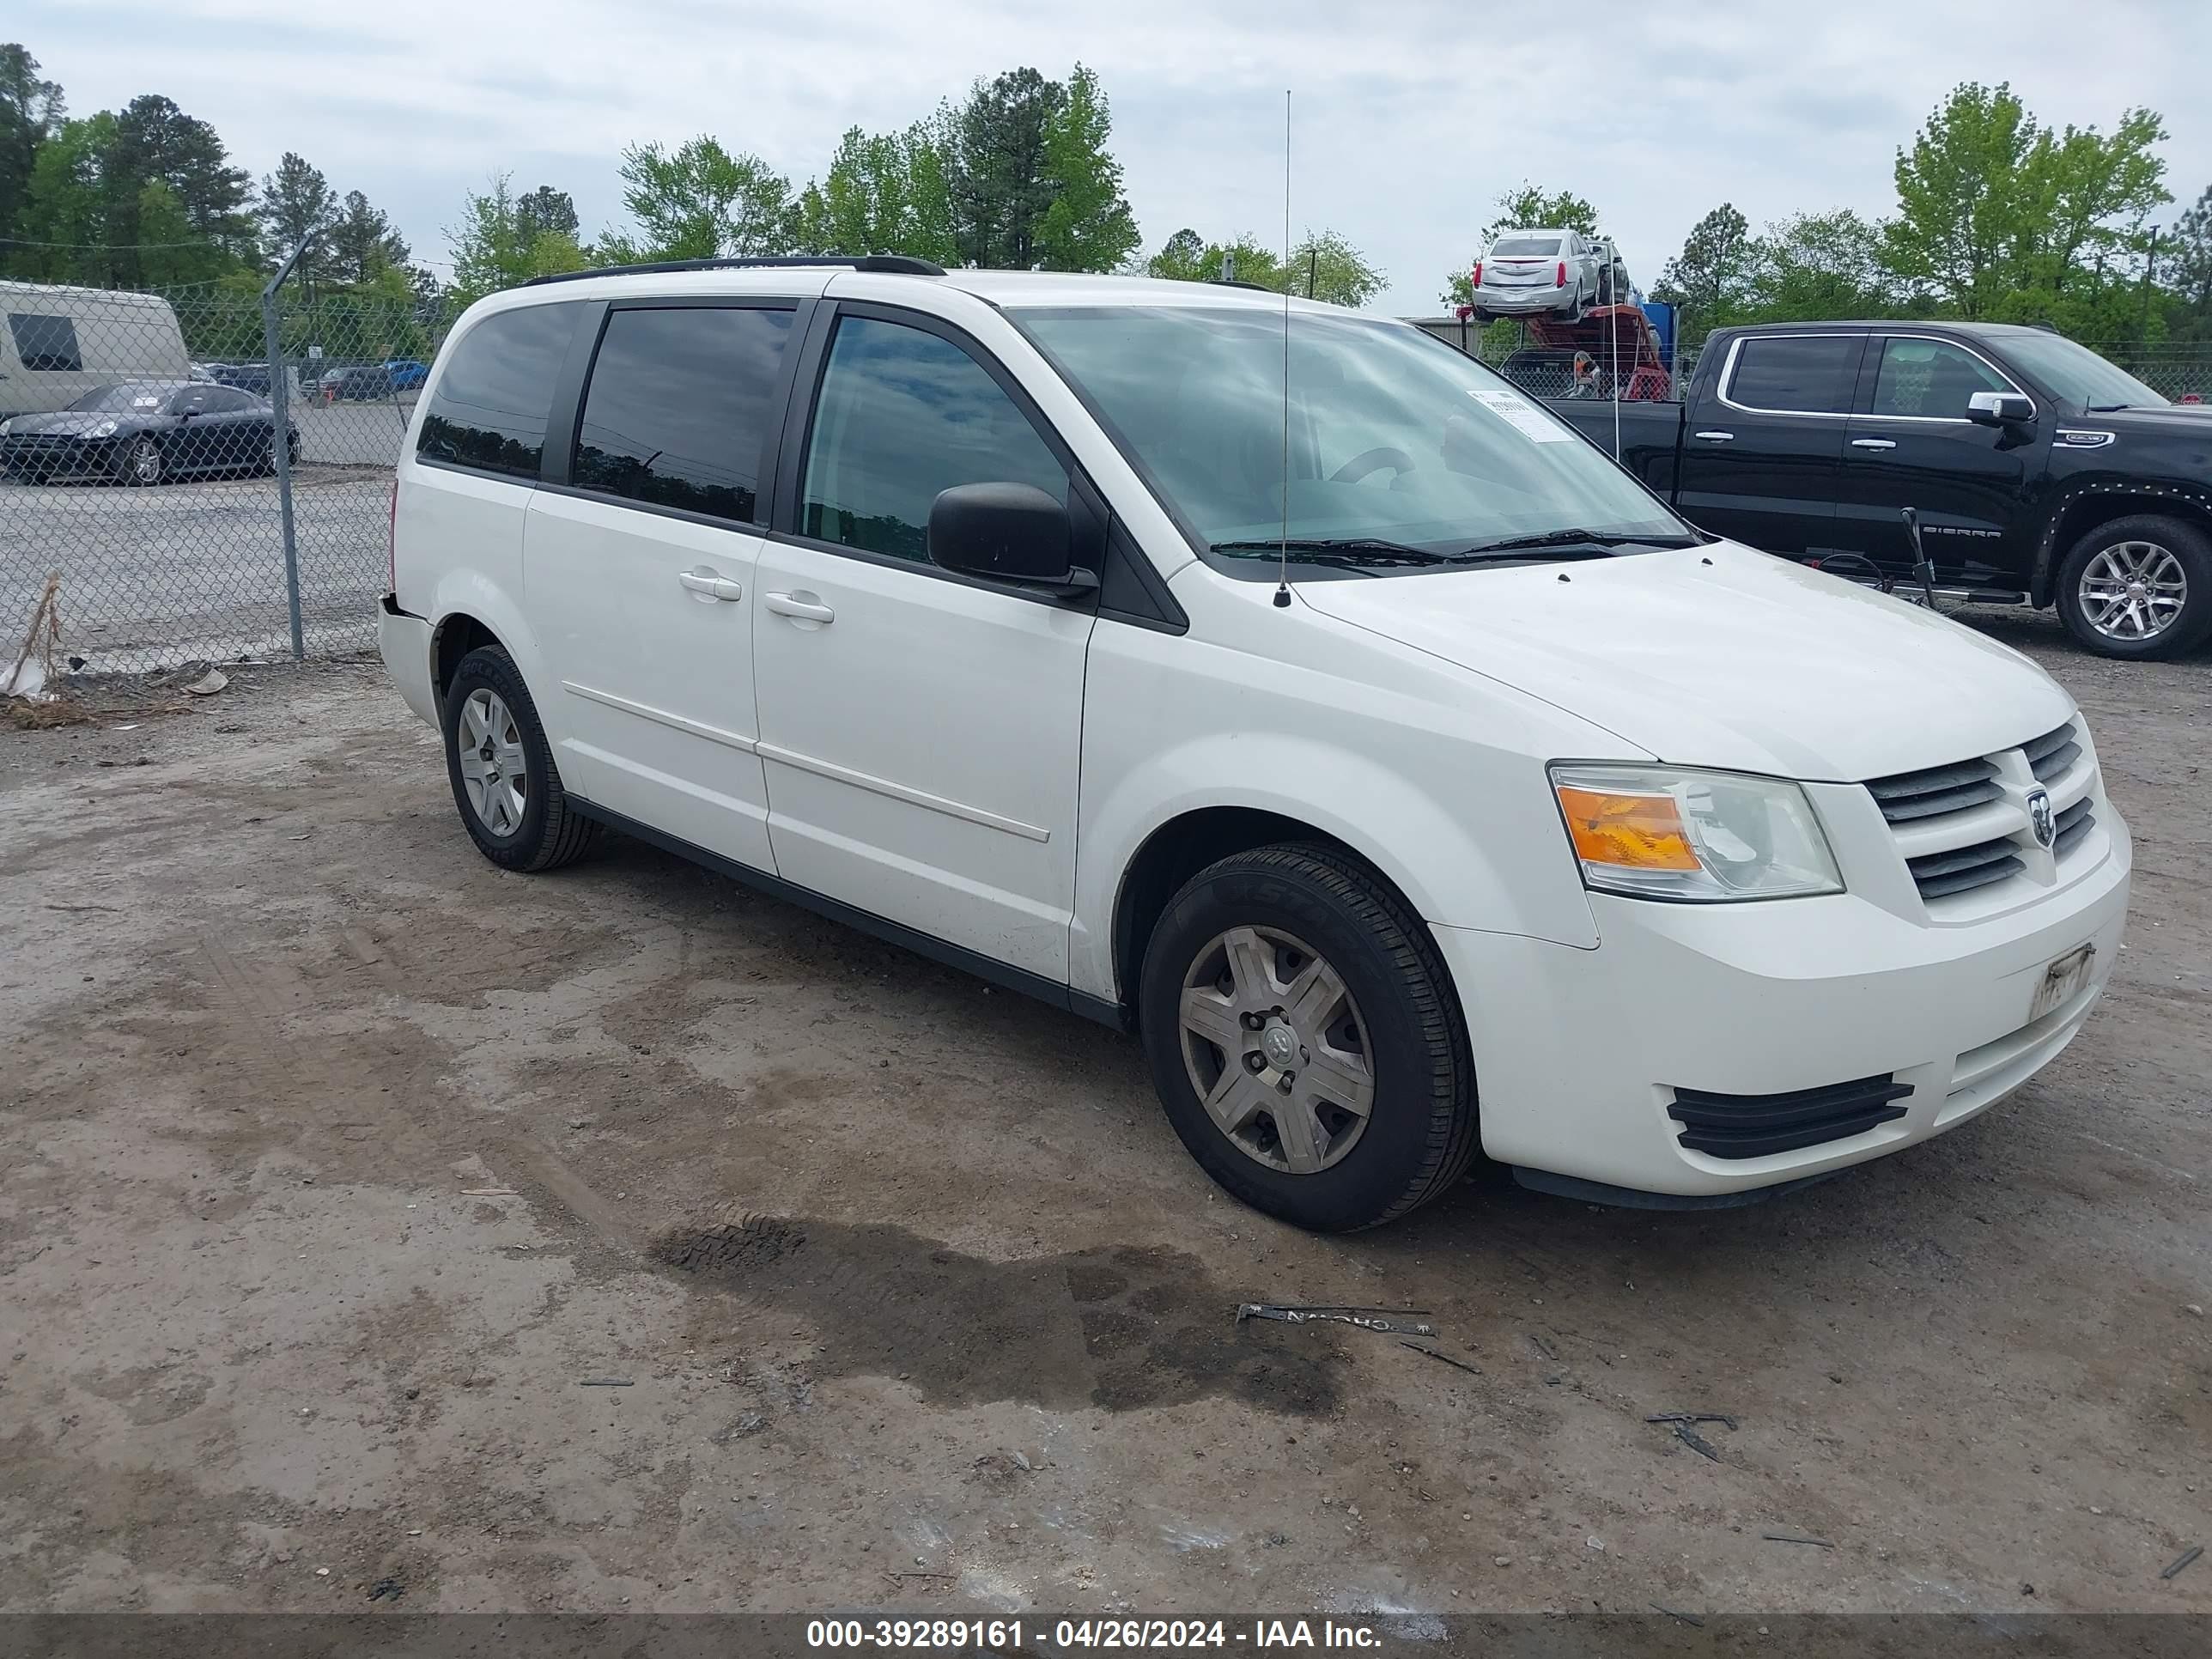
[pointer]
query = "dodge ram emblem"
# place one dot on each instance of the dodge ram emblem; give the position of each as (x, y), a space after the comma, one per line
(2041, 817)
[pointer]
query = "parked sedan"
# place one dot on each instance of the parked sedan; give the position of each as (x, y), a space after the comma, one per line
(1529, 273)
(143, 432)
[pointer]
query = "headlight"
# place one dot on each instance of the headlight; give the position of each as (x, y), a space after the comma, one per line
(6, 426)
(1668, 833)
(104, 429)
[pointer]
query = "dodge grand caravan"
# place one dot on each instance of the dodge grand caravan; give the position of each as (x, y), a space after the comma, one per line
(1407, 776)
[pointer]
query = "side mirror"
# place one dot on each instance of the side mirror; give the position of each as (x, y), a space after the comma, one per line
(2000, 408)
(1009, 532)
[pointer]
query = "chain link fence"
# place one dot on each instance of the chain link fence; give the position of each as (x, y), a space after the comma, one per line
(140, 463)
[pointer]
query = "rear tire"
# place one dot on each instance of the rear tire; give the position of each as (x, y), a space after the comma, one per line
(1392, 1013)
(505, 784)
(2139, 588)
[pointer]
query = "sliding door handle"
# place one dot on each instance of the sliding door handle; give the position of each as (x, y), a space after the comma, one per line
(708, 585)
(804, 607)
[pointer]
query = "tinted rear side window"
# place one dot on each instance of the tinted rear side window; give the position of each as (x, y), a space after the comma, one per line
(679, 403)
(489, 407)
(1805, 373)
(44, 342)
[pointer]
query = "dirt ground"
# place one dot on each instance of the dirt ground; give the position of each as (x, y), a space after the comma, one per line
(338, 1169)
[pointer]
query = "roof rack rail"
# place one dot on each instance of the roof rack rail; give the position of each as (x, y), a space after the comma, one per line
(896, 264)
(1233, 282)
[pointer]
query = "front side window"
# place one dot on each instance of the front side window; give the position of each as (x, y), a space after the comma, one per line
(1396, 440)
(678, 406)
(905, 414)
(44, 342)
(1931, 379)
(1800, 375)
(489, 408)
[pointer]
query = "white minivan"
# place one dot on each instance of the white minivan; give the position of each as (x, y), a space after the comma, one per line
(1407, 776)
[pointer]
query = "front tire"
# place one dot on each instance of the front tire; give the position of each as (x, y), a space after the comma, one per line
(1305, 1041)
(505, 784)
(2138, 588)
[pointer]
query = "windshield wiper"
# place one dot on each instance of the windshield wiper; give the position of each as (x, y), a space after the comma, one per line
(2106, 409)
(1338, 549)
(1550, 539)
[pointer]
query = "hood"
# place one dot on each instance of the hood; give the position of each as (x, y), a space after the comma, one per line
(2191, 422)
(74, 423)
(1720, 656)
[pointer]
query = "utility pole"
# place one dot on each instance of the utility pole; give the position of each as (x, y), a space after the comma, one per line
(2150, 262)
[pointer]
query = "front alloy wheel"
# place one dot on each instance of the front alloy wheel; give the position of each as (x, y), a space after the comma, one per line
(142, 462)
(2133, 592)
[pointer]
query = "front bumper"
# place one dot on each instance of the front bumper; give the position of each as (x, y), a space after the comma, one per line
(404, 642)
(30, 455)
(1578, 1052)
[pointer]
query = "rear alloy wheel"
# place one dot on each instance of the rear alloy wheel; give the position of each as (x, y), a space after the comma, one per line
(2140, 587)
(1305, 1041)
(143, 462)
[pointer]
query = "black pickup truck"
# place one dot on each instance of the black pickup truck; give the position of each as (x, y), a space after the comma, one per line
(2040, 472)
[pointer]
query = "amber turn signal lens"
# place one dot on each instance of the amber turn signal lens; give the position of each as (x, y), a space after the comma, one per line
(1631, 832)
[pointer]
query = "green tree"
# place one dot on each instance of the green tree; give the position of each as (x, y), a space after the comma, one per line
(997, 169)
(361, 242)
(494, 246)
(1816, 266)
(543, 209)
(31, 111)
(1326, 266)
(1186, 259)
(884, 193)
(1710, 279)
(171, 254)
(700, 202)
(1087, 225)
(295, 201)
(157, 142)
(65, 214)
(2000, 218)
(2186, 262)
(1528, 206)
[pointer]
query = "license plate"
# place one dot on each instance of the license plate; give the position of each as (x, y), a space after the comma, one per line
(2062, 981)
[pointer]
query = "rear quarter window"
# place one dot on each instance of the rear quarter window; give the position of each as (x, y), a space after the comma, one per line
(489, 407)
(45, 342)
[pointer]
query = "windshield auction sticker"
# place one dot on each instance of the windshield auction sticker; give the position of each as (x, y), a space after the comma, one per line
(1530, 422)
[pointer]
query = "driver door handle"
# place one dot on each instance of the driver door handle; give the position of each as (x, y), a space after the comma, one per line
(707, 584)
(789, 605)
(1714, 437)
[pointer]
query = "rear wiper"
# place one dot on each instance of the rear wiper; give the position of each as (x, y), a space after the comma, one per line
(1338, 549)
(1593, 538)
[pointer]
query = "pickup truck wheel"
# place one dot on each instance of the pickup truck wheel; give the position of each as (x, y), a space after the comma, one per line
(501, 768)
(1305, 1041)
(2138, 587)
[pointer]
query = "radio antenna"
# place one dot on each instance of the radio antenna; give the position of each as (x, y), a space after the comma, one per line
(1283, 564)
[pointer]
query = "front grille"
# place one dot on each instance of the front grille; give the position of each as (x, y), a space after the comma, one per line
(1966, 825)
(2073, 823)
(2051, 755)
(1966, 867)
(1938, 789)
(1753, 1125)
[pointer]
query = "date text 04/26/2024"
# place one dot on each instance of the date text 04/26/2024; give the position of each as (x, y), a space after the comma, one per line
(1003, 1635)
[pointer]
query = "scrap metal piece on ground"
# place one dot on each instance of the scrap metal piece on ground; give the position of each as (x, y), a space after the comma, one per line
(1366, 1320)
(2182, 1560)
(1696, 1441)
(1460, 1364)
(1693, 1418)
(1792, 1538)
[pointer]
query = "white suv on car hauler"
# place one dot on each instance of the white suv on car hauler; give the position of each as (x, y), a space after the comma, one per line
(1524, 817)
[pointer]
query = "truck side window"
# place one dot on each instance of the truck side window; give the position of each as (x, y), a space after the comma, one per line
(1796, 373)
(679, 404)
(490, 405)
(44, 342)
(905, 414)
(1931, 379)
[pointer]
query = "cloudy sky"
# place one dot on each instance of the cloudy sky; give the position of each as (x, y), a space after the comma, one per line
(1410, 117)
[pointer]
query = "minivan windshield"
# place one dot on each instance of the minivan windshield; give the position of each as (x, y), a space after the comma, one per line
(1403, 453)
(1525, 247)
(2079, 374)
